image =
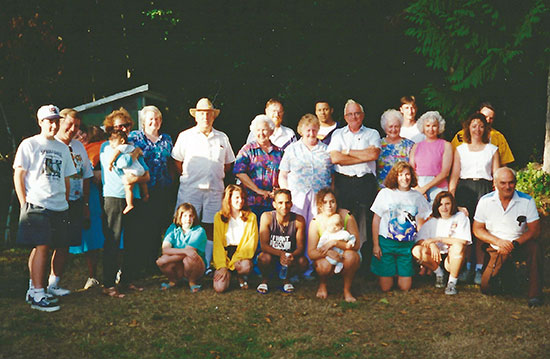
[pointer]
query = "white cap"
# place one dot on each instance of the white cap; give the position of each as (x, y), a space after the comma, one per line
(48, 112)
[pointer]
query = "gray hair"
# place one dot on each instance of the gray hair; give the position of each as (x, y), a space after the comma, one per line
(503, 169)
(391, 114)
(431, 116)
(144, 110)
(260, 119)
(349, 102)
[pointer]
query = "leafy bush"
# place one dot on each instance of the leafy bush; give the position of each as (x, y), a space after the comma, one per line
(534, 181)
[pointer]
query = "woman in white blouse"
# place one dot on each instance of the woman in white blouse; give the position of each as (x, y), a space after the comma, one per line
(446, 233)
(474, 163)
(235, 239)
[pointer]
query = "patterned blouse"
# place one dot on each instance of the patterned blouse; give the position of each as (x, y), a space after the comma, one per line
(308, 169)
(390, 154)
(156, 157)
(261, 167)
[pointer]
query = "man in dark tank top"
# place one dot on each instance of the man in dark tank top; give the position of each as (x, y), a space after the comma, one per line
(282, 240)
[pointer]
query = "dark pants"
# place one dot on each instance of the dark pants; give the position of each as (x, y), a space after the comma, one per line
(531, 251)
(114, 223)
(158, 213)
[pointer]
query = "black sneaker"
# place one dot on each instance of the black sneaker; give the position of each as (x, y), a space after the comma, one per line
(44, 305)
(50, 297)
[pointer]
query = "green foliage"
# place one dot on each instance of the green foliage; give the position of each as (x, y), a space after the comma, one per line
(474, 42)
(534, 181)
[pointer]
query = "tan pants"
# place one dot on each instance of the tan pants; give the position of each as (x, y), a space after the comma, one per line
(529, 251)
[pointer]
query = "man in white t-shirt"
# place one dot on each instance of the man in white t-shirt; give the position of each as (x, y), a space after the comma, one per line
(409, 129)
(42, 168)
(202, 156)
(354, 150)
(324, 111)
(282, 136)
(508, 220)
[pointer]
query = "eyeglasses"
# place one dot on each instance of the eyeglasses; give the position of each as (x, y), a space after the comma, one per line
(353, 114)
(125, 125)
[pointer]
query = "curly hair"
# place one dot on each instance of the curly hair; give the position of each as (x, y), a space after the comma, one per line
(109, 121)
(391, 179)
(486, 128)
(226, 203)
(431, 116)
(320, 197)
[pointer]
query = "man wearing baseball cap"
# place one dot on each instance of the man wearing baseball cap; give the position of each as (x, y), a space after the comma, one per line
(202, 155)
(42, 167)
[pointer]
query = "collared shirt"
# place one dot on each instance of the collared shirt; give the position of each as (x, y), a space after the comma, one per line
(497, 139)
(506, 224)
(344, 139)
(308, 169)
(203, 158)
(281, 137)
(156, 156)
(261, 167)
(83, 169)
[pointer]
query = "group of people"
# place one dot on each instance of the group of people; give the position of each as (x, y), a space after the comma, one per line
(298, 206)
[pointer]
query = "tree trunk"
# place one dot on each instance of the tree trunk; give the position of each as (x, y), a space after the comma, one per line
(546, 159)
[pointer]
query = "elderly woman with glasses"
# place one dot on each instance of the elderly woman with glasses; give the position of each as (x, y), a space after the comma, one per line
(116, 222)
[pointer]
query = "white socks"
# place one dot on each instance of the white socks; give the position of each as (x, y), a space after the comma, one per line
(452, 279)
(53, 281)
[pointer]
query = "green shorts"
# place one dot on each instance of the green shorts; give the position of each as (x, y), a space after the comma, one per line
(396, 259)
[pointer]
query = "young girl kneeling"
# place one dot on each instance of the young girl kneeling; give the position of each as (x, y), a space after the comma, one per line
(183, 249)
(399, 212)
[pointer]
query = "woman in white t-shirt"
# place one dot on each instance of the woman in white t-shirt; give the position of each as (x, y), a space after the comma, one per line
(446, 233)
(474, 163)
(235, 239)
(399, 211)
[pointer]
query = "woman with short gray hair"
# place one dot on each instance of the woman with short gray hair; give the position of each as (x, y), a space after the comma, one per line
(393, 147)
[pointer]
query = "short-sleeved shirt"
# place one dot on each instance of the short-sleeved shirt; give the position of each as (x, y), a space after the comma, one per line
(195, 237)
(412, 133)
(457, 226)
(506, 224)
(83, 168)
(156, 156)
(282, 137)
(398, 211)
(390, 154)
(497, 139)
(344, 139)
(203, 158)
(47, 163)
(308, 169)
(112, 180)
(261, 167)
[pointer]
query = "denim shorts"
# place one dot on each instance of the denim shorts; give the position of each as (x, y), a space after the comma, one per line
(41, 226)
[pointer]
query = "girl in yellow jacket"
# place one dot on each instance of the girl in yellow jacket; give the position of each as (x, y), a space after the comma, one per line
(235, 239)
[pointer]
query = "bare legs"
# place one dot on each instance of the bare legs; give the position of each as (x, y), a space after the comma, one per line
(324, 269)
(222, 276)
(176, 267)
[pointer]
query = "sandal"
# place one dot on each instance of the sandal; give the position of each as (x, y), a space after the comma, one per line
(287, 288)
(195, 288)
(262, 288)
(135, 288)
(112, 292)
(243, 285)
(166, 286)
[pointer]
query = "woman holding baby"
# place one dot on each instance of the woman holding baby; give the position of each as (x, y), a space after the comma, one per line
(338, 248)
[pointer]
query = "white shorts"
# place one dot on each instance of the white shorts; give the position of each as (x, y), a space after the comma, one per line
(206, 202)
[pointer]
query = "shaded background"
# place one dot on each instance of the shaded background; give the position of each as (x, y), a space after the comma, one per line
(241, 53)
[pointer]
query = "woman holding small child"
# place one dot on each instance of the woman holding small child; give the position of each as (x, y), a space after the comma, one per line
(337, 229)
(116, 221)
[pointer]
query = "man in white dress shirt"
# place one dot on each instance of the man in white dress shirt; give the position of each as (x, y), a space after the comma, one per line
(202, 156)
(354, 150)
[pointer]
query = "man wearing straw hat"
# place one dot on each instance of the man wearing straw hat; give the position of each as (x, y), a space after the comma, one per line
(202, 155)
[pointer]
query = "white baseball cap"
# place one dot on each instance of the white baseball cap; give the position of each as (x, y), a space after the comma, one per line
(48, 112)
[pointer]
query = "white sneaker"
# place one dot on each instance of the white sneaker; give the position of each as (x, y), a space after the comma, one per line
(44, 305)
(51, 298)
(440, 281)
(58, 291)
(451, 289)
(91, 282)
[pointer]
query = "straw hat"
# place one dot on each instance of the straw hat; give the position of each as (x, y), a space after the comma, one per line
(204, 104)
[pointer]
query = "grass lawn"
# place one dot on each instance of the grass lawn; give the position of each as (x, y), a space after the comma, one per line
(424, 323)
